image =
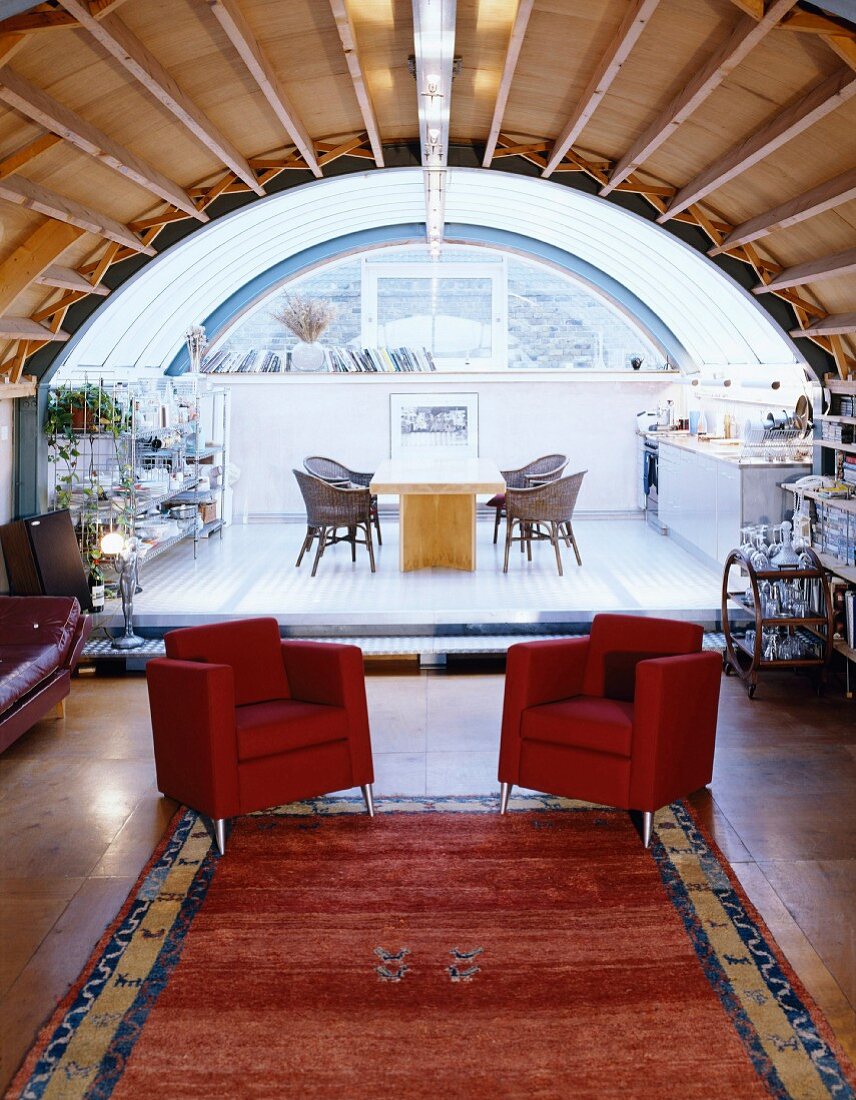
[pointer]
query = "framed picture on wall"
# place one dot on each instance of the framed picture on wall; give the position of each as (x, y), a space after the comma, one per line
(434, 425)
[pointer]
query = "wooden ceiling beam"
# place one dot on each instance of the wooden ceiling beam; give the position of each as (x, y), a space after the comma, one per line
(788, 123)
(836, 324)
(66, 278)
(22, 328)
(746, 35)
(29, 21)
(240, 34)
(26, 193)
(826, 196)
(133, 56)
(15, 161)
(32, 258)
(608, 68)
(512, 55)
(41, 108)
(814, 23)
(752, 8)
(814, 271)
(345, 27)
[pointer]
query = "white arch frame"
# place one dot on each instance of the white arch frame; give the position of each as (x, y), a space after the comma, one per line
(142, 325)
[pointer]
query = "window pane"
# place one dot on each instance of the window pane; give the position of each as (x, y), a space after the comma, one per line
(449, 316)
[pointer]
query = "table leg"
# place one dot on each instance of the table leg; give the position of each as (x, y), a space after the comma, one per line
(438, 530)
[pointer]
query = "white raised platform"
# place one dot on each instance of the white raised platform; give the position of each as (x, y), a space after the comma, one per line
(626, 567)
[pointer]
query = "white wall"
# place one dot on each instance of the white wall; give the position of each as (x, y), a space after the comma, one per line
(276, 423)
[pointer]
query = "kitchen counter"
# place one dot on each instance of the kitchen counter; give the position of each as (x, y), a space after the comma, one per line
(723, 450)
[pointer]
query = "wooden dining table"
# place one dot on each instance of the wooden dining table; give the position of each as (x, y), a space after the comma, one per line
(437, 507)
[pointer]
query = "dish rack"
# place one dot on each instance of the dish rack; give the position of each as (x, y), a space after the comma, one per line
(775, 444)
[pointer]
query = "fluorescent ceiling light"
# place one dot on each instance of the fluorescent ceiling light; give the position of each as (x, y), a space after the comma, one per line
(434, 55)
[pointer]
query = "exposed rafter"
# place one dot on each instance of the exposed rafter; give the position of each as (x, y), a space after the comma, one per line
(33, 257)
(41, 108)
(826, 196)
(133, 56)
(66, 278)
(634, 22)
(16, 161)
(240, 34)
(747, 33)
(753, 8)
(836, 324)
(821, 101)
(26, 193)
(345, 27)
(814, 271)
(22, 328)
(512, 54)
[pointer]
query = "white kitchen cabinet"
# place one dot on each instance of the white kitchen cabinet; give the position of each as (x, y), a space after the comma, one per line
(729, 505)
(706, 499)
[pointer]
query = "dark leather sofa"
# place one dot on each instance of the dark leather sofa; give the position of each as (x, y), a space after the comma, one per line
(41, 639)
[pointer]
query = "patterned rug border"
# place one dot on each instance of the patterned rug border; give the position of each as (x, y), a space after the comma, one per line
(802, 1011)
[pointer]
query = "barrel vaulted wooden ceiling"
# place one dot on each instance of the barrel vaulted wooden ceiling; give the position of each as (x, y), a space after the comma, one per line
(120, 117)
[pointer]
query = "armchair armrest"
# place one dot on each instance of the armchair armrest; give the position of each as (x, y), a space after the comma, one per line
(674, 727)
(535, 673)
(195, 740)
(333, 675)
(81, 635)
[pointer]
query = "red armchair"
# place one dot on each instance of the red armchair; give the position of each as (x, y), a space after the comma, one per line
(625, 716)
(242, 720)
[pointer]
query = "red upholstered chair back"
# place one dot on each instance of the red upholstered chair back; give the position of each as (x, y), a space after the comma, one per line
(251, 647)
(618, 642)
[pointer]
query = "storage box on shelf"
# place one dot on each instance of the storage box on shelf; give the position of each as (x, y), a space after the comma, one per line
(138, 466)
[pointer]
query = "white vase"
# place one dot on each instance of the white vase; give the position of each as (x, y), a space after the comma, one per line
(307, 357)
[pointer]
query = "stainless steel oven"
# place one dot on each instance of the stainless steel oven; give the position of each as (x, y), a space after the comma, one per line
(650, 479)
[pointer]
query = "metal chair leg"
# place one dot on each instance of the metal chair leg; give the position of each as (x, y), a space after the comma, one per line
(322, 541)
(554, 538)
(369, 543)
(496, 524)
(368, 795)
(307, 542)
(574, 542)
(219, 824)
(377, 526)
(504, 794)
(352, 535)
(509, 525)
(647, 825)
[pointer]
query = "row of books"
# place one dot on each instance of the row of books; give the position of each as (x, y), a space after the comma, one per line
(380, 360)
(850, 617)
(836, 433)
(850, 469)
(339, 360)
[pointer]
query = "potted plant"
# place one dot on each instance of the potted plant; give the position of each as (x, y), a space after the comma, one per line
(308, 319)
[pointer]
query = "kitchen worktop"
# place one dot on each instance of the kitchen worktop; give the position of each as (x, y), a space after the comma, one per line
(724, 450)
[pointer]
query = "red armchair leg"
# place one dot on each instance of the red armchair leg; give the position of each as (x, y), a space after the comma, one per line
(368, 795)
(647, 824)
(219, 824)
(504, 794)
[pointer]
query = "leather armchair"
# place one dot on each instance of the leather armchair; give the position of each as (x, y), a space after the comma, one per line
(625, 716)
(242, 720)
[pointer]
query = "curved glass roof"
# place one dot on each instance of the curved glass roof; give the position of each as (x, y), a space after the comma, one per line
(699, 314)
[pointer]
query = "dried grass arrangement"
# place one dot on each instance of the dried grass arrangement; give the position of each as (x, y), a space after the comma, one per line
(307, 318)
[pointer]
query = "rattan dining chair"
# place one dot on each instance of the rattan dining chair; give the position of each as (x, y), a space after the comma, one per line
(546, 468)
(329, 508)
(328, 469)
(543, 513)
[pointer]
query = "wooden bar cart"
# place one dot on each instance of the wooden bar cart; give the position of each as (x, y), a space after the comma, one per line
(793, 630)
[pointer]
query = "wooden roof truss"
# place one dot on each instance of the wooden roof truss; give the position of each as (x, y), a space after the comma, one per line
(36, 260)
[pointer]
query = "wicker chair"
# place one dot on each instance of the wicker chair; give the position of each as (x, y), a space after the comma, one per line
(543, 513)
(328, 469)
(329, 508)
(546, 468)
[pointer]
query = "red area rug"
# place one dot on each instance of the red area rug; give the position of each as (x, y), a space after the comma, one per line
(439, 950)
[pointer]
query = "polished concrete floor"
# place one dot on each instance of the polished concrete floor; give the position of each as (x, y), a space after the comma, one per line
(627, 566)
(80, 815)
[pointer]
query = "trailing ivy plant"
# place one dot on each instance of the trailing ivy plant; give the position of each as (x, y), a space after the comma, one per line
(73, 414)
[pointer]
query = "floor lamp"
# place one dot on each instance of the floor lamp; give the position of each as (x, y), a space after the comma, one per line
(126, 553)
